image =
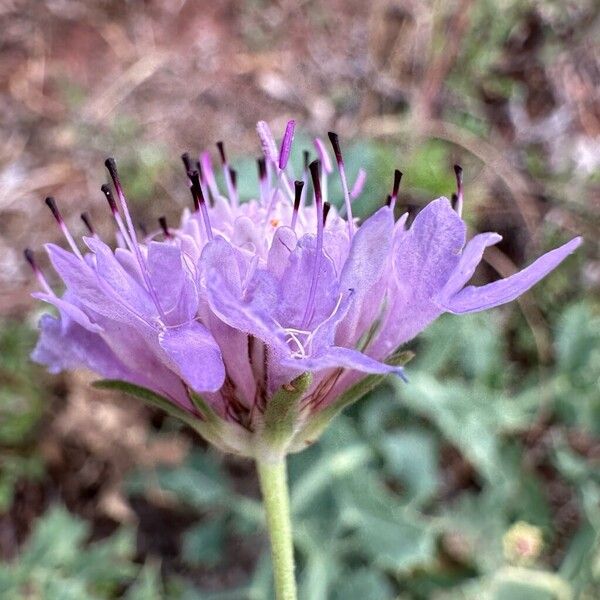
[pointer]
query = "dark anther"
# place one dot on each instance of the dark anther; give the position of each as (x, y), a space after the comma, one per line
(298, 186)
(335, 142)
(315, 170)
(221, 148)
(163, 225)
(109, 197)
(262, 168)
(85, 217)
(51, 203)
(326, 208)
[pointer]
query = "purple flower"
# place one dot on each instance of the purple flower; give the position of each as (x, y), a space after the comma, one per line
(257, 321)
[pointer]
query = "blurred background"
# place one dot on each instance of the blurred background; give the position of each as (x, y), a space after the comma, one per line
(481, 478)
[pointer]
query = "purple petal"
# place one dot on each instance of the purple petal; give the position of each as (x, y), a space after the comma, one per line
(175, 288)
(111, 273)
(296, 281)
(469, 259)
(369, 251)
(364, 268)
(473, 299)
(232, 310)
(284, 243)
(69, 309)
(64, 344)
(429, 251)
(195, 356)
(345, 358)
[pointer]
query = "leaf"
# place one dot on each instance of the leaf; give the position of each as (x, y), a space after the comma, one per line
(199, 482)
(363, 584)
(147, 586)
(412, 456)
(203, 543)
(394, 537)
(528, 584)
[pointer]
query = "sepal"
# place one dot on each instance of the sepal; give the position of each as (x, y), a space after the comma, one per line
(281, 419)
(215, 430)
(318, 422)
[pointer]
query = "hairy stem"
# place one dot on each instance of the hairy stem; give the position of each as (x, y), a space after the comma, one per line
(274, 488)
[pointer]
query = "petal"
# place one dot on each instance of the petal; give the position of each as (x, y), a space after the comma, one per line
(112, 274)
(232, 310)
(69, 309)
(296, 283)
(473, 299)
(370, 248)
(195, 355)
(172, 281)
(283, 244)
(64, 344)
(344, 358)
(363, 270)
(427, 254)
(469, 259)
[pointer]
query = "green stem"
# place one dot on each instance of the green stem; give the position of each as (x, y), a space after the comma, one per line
(274, 488)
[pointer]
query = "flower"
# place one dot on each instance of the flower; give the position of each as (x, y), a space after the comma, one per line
(522, 543)
(256, 322)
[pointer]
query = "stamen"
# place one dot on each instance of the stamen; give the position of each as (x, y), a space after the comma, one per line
(298, 185)
(162, 221)
(262, 168)
(326, 209)
(221, 148)
(262, 179)
(209, 174)
(231, 191)
(233, 175)
(306, 158)
(326, 166)
(459, 189)
(359, 184)
(30, 258)
(388, 200)
(397, 179)
(201, 203)
(286, 144)
(51, 203)
(335, 142)
(187, 162)
(85, 217)
(267, 141)
(115, 213)
(111, 165)
(315, 168)
(454, 200)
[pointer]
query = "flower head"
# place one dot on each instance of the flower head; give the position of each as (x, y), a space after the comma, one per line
(257, 321)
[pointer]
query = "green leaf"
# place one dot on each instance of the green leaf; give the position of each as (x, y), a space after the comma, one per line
(203, 544)
(200, 482)
(394, 537)
(514, 583)
(147, 586)
(412, 456)
(363, 584)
